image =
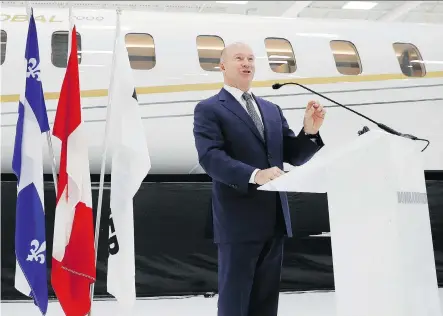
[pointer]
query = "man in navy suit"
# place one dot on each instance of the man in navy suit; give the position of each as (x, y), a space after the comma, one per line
(242, 141)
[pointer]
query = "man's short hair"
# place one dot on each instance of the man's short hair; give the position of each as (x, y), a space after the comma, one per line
(222, 54)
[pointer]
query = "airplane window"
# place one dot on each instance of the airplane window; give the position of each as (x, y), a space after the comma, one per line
(59, 48)
(209, 49)
(280, 55)
(141, 50)
(409, 58)
(346, 57)
(3, 46)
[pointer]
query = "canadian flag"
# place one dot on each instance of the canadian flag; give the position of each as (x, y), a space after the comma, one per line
(73, 254)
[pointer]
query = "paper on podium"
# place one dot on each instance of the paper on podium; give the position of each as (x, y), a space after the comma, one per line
(313, 176)
(305, 178)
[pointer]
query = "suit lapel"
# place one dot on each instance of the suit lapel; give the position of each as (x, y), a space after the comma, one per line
(229, 102)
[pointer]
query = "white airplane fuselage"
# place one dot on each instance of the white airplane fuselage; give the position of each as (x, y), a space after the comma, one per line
(168, 92)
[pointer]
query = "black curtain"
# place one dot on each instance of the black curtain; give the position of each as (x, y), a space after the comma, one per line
(174, 251)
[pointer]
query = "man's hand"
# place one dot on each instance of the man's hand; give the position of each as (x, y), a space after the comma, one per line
(314, 116)
(264, 176)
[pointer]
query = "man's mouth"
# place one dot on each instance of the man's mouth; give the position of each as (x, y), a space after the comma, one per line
(245, 71)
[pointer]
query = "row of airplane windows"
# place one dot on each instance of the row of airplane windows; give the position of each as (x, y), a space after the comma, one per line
(141, 50)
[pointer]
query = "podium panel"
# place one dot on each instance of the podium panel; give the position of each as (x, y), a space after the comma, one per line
(380, 228)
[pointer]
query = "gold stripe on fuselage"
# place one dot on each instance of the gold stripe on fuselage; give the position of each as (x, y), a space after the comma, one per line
(218, 85)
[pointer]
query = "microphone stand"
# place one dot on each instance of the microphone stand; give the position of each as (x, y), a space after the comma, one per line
(365, 129)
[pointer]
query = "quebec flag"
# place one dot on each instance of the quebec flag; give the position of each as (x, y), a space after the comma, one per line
(27, 163)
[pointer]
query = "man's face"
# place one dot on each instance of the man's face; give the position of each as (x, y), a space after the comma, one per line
(238, 66)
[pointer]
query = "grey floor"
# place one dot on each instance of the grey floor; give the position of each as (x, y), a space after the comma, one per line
(291, 304)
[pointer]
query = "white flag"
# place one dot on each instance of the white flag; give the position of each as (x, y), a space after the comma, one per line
(130, 165)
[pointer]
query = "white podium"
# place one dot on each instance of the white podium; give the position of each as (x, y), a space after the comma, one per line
(381, 238)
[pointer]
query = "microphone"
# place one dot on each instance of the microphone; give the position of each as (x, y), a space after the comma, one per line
(388, 129)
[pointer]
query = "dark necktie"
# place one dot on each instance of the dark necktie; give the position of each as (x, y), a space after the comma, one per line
(253, 113)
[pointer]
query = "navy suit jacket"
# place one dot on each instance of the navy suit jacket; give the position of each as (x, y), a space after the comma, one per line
(230, 148)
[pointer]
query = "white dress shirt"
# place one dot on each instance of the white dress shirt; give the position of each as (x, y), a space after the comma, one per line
(237, 94)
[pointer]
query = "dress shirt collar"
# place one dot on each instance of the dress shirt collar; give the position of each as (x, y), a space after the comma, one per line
(236, 93)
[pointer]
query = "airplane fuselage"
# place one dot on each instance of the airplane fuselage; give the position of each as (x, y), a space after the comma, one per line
(173, 76)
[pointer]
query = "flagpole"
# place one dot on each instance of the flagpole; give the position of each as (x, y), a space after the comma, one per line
(48, 133)
(105, 148)
(53, 162)
(69, 31)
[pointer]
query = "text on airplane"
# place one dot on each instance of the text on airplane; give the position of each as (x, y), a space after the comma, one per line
(41, 18)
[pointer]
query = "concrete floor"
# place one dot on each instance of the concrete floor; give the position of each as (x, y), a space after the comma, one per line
(291, 304)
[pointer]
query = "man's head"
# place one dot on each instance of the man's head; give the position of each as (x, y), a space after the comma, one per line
(237, 63)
